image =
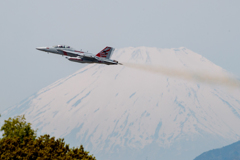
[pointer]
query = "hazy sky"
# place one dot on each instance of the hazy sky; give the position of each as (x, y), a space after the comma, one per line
(208, 27)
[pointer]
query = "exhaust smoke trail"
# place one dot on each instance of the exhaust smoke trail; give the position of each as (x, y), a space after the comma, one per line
(208, 78)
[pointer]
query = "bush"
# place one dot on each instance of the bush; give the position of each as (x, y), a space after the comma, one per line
(20, 142)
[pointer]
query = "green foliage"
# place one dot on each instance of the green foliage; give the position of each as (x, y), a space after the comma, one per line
(43, 147)
(20, 142)
(17, 127)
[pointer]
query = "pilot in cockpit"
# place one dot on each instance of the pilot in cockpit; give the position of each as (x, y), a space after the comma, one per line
(62, 46)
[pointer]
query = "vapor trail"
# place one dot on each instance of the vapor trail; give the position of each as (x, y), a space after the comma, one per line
(208, 78)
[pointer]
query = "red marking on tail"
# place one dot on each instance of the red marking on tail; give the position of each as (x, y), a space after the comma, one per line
(104, 52)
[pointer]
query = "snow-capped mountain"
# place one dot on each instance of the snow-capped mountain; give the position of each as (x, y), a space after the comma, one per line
(118, 112)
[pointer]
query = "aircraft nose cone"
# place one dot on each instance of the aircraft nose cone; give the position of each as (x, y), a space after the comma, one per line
(41, 48)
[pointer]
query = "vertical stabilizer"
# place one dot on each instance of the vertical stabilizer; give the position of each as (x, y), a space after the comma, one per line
(106, 52)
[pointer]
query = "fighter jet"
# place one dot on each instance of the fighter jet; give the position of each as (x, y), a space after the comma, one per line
(103, 57)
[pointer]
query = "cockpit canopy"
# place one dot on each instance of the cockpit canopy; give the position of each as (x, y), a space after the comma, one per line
(61, 46)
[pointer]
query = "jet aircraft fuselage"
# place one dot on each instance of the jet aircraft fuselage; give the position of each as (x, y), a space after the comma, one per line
(103, 57)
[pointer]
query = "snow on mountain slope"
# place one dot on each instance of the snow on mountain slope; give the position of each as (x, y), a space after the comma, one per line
(116, 111)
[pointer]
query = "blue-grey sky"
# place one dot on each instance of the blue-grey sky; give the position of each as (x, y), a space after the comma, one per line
(208, 27)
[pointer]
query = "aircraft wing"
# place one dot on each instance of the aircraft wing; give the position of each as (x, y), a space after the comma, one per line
(77, 54)
(72, 53)
(85, 55)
